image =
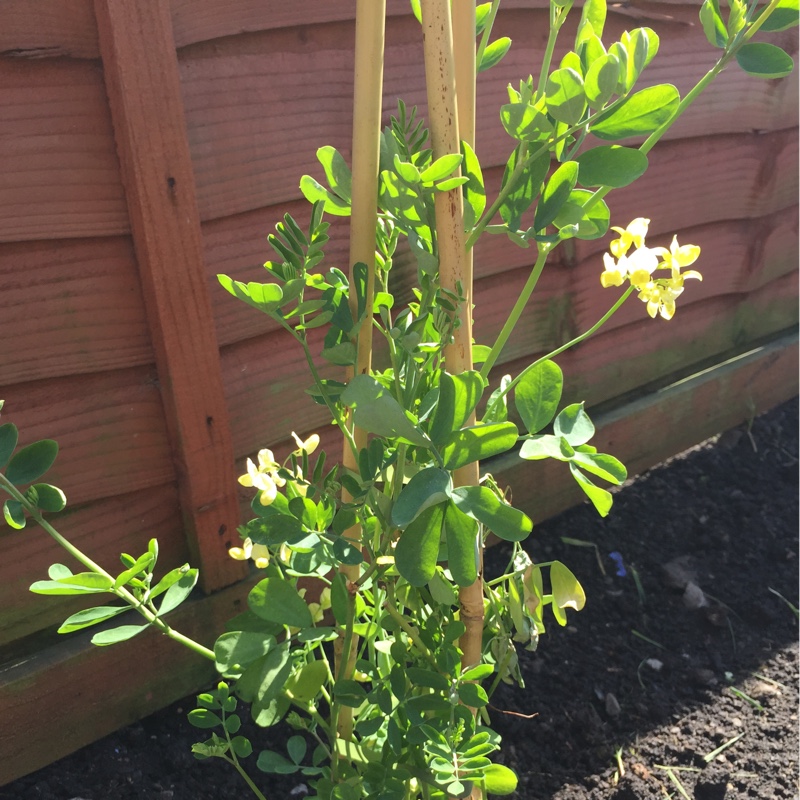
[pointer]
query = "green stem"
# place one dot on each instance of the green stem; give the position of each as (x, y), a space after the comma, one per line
(410, 632)
(120, 592)
(516, 311)
(235, 763)
(557, 18)
(577, 340)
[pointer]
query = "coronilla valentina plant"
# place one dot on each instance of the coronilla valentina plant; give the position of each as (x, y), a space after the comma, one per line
(371, 630)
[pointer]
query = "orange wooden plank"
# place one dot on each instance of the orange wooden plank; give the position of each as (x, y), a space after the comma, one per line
(60, 170)
(134, 519)
(78, 309)
(141, 75)
(110, 428)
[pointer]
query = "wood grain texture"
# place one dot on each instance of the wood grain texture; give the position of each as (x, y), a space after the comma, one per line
(142, 81)
(72, 306)
(103, 529)
(69, 688)
(60, 171)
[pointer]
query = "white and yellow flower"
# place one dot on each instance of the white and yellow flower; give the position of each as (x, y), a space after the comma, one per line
(632, 235)
(258, 552)
(308, 446)
(264, 477)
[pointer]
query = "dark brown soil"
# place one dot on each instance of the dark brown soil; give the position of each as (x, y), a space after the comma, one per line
(635, 695)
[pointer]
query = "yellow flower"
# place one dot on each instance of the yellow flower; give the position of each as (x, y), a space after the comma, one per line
(318, 609)
(265, 477)
(309, 445)
(678, 256)
(637, 267)
(258, 552)
(633, 234)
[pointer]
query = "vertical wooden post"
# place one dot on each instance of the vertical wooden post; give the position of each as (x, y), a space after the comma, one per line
(454, 264)
(367, 105)
(143, 86)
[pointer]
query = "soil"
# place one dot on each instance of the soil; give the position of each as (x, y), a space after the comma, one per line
(679, 678)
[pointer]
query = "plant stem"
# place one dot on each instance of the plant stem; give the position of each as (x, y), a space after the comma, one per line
(121, 592)
(516, 311)
(577, 340)
(487, 31)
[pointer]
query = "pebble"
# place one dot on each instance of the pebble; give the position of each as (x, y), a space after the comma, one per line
(612, 705)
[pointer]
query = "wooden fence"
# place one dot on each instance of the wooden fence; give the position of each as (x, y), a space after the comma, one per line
(148, 146)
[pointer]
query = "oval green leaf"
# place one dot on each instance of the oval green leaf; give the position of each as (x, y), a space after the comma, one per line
(32, 462)
(611, 165)
(764, 60)
(8, 441)
(638, 115)
(14, 514)
(537, 395)
(494, 53)
(478, 442)
(417, 549)
(461, 533)
(566, 99)
(49, 498)
(500, 779)
(275, 600)
(555, 194)
(116, 635)
(427, 488)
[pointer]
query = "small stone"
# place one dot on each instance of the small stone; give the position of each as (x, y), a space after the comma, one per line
(654, 664)
(612, 705)
(703, 677)
(693, 596)
(737, 722)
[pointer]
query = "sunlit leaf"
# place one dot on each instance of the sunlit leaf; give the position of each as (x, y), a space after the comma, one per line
(31, 462)
(761, 60)
(428, 487)
(275, 600)
(611, 165)
(417, 549)
(638, 115)
(116, 635)
(90, 616)
(537, 395)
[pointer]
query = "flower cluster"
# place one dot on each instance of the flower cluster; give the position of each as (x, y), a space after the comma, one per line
(638, 267)
(267, 479)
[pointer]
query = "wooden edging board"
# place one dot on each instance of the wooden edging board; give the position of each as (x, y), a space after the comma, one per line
(66, 696)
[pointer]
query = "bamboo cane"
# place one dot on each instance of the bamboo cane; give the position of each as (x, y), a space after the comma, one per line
(367, 105)
(455, 267)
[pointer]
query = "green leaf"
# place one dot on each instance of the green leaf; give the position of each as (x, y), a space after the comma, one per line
(427, 488)
(784, 16)
(461, 535)
(537, 395)
(82, 583)
(477, 673)
(483, 505)
(441, 168)
(49, 498)
(203, 718)
(336, 171)
(601, 499)
(574, 425)
(57, 571)
(266, 297)
(611, 165)
(9, 437)
(275, 600)
(307, 682)
(472, 695)
(539, 447)
(759, 59)
(90, 616)
(116, 635)
(601, 80)
(459, 395)
(349, 693)
(524, 122)
(602, 465)
(314, 191)
(241, 746)
(594, 12)
(494, 53)
(417, 549)
(376, 411)
(566, 99)
(567, 591)
(263, 680)
(575, 220)
(526, 188)
(713, 26)
(555, 194)
(275, 763)
(499, 779)
(31, 462)
(451, 183)
(638, 115)
(474, 189)
(173, 576)
(178, 592)
(481, 16)
(478, 442)
(296, 747)
(14, 514)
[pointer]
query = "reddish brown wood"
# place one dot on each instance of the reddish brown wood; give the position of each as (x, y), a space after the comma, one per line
(143, 86)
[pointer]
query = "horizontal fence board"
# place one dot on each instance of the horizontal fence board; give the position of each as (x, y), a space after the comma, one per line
(74, 693)
(102, 530)
(72, 306)
(110, 429)
(60, 171)
(68, 688)
(35, 29)
(246, 156)
(63, 180)
(648, 431)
